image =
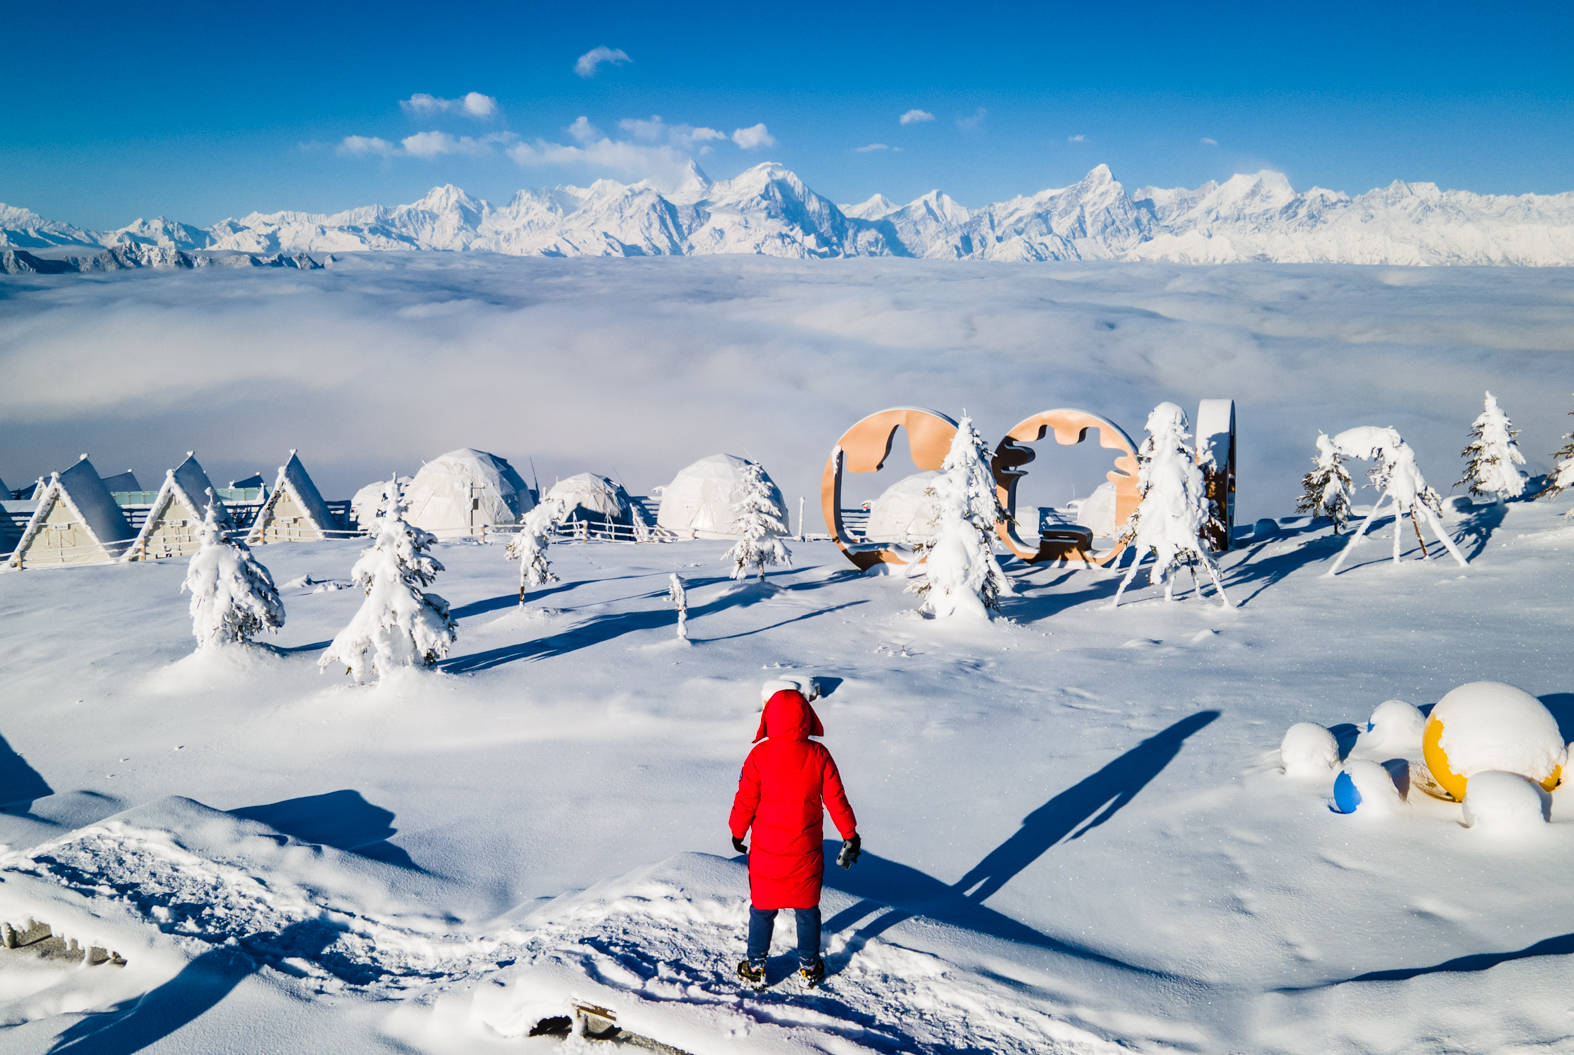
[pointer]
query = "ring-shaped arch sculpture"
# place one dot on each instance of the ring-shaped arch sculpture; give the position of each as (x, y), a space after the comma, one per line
(864, 449)
(1069, 427)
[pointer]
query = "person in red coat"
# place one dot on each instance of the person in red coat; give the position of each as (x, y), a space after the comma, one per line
(788, 782)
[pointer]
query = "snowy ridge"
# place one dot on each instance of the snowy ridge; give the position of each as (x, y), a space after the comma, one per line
(769, 211)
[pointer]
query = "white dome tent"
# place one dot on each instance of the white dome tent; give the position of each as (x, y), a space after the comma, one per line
(903, 513)
(363, 507)
(464, 492)
(595, 501)
(702, 500)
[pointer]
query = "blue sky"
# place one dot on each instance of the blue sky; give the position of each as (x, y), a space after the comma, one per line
(203, 110)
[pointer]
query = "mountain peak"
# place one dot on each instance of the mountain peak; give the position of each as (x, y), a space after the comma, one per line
(444, 197)
(1098, 175)
(871, 208)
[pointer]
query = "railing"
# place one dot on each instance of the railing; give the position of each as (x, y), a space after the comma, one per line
(87, 553)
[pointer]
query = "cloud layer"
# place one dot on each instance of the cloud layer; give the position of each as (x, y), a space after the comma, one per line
(638, 367)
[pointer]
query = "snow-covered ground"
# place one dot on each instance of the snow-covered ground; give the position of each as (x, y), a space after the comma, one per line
(1077, 834)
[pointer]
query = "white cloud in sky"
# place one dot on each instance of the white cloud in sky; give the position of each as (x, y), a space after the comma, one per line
(870, 148)
(1078, 138)
(972, 122)
(1209, 141)
(436, 144)
(754, 137)
(654, 161)
(588, 63)
(916, 116)
(653, 129)
(423, 145)
(655, 150)
(366, 146)
(471, 104)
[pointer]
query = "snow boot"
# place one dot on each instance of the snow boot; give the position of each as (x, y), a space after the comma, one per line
(752, 975)
(812, 975)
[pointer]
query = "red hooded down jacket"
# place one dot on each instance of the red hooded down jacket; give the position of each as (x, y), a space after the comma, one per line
(785, 780)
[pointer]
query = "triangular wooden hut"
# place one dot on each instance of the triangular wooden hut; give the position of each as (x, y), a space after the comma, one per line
(126, 481)
(76, 522)
(295, 511)
(174, 519)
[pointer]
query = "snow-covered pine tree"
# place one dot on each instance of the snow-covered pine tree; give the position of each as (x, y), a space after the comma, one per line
(1562, 476)
(1326, 490)
(1174, 508)
(759, 526)
(232, 596)
(680, 600)
(529, 546)
(1492, 457)
(959, 573)
(399, 624)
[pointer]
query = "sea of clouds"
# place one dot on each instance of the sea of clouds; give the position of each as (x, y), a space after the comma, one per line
(633, 368)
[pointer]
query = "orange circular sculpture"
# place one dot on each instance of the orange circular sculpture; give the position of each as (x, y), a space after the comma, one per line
(864, 449)
(1012, 456)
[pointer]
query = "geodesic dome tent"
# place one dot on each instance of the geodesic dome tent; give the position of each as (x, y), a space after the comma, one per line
(702, 500)
(363, 506)
(592, 499)
(459, 493)
(903, 513)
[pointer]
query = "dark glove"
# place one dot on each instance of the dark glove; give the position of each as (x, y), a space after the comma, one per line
(737, 844)
(850, 851)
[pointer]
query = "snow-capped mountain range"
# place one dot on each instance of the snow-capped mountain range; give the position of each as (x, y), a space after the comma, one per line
(768, 210)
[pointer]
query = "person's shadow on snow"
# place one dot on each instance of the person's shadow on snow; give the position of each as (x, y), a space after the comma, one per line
(893, 893)
(20, 783)
(200, 985)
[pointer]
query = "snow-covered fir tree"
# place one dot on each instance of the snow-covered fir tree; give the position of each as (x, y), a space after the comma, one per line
(233, 598)
(1326, 490)
(1398, 480)
(1174, 509)
(529, 546)
(1562, 476)
(1492, 458)
(759, 525)
(959, 574)
(680, 600)
(399, 624)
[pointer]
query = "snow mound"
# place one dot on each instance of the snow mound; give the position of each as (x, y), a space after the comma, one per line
(810, 687)
(1397, 724)
(1487, 725)
(1308, 750)
(658, 946)
(1375, 793)
(1500, 802)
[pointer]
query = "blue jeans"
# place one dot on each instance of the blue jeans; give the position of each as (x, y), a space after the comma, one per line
(762, 922)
